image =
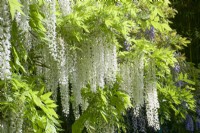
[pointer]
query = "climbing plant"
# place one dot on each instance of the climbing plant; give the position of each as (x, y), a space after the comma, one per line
(104, 57)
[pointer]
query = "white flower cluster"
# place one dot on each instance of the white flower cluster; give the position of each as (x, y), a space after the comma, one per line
(12, 124)
(50, 72)
(64, 62)
(23, 23)
(56, 57)
(128, 75)
(4, 41)
(63, 74)
(3, 126)
(20, 120)
(95, 63)
(65, 6)
(151, 96)
(50, 52)
(110, 63)
(50, 25)
(133, 83)
(132, 73)
(139, 80)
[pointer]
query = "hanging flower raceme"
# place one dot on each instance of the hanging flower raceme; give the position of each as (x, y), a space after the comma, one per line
(56, 55)
(5, 41)
(51, 73)
(132, 73)
(23, 23)
(63, 75)
(50, 25)
(198, 123)
(150, 33)
(65, 6)
(127, 77)
(189, 123)
(95, 63)
(49, 52)
(3, 126)
(16, 121)
(110, 59)
(23, 19)
(151, 96)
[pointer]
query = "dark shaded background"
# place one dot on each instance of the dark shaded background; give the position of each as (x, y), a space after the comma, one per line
(187, 24)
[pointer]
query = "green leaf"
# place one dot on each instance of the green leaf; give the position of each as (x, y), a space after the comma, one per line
(103, 98)
(52, 105)
(41, 91)
(46, 96)
(108, 23)
(14, 7)
(160, 12)
(48, 101)
(104, 117)
(154, 14)
(157, 25)
(41, 2)
(17, 62)
(52, 112)
(166, 26)
(36, 100)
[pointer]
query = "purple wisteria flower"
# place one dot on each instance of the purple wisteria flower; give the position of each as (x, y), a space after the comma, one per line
(180, 83)
(150, 33)
(198, 123)
(127, 46)
(198, 111)
(184, 104)
(189, 123)
(177, 68)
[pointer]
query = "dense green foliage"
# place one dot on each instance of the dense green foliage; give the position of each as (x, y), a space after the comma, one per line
(105, 108)
(143, 24)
